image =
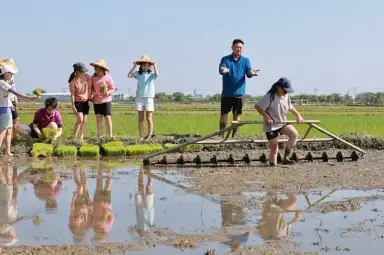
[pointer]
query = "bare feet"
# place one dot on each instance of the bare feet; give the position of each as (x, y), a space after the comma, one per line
(9, 154)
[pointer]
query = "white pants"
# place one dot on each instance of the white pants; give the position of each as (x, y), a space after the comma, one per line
(145, 104)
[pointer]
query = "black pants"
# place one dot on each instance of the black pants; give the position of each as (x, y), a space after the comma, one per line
(275, 133)
(104, 109)
(82, 107)
(232, 103)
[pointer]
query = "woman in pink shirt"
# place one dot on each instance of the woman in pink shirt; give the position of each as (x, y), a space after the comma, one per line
(102, 89)
(80, 86)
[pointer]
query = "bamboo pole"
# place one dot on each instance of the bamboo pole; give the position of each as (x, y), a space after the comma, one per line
(337, 138)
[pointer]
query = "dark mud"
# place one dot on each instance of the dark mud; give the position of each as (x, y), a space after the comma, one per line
(22, 147)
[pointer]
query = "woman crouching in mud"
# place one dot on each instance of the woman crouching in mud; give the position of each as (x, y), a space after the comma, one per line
(274, 106)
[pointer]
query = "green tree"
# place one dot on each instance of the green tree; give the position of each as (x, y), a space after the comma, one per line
(178, 96)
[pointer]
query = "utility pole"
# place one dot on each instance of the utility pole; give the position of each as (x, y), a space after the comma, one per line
(315, 92)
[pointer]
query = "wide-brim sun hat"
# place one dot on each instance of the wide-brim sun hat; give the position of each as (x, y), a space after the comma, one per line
(9, 63)
(145, 59)
(100, 63)
(5, 70)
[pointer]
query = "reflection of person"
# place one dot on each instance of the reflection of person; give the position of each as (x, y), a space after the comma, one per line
(145, 209)
(103, 217)
(274, 106)
(102, 90)
(80, 85)
(234, 68)
(8, 206)
(80, 219)
(145, 92)
(48, 189)
(47, 117)
(273, 225)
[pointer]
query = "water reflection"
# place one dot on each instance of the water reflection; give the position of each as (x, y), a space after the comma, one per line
(145, 209)
(48, 189)
(103, 217)
(273, 224)
(80, 220)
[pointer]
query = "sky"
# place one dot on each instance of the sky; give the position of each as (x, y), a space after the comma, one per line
(328, 46)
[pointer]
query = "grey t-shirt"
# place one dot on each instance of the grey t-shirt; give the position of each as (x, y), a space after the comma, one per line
(277, 109)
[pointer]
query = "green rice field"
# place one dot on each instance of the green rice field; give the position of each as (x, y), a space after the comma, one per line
(204, 119)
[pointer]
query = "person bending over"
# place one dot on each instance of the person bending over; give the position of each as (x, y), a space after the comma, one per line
(274, 107)
(48, 118)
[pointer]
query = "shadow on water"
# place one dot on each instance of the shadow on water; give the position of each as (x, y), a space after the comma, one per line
(96, 202)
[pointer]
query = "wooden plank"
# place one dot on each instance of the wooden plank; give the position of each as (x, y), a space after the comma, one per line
(308, 140)
(284, 122)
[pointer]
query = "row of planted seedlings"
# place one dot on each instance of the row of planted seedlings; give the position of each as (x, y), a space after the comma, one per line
(111, 149)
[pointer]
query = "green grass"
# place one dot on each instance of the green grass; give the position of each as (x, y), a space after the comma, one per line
(114, 149)
(65, 151)
(42, 150)
(141, 149)
(203, 119)
(89, 150)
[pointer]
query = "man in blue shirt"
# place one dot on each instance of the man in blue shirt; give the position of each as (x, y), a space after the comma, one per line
(234, 68)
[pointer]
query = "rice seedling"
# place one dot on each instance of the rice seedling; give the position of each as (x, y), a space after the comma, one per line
(89, 150)
(48, 132)
(141, 149)
(37, 92)
(114, 149)
(65, 151)
(42, 150)
(103, 88)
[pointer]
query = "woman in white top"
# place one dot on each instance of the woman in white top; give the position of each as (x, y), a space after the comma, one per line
(6, 74)
(274, 106)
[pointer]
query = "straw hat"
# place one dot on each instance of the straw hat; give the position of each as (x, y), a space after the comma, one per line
(100, 63)
(9, 63)
(145, 59)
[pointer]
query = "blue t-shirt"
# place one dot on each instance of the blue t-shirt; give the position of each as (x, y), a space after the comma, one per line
(145, 84)
(234, 81)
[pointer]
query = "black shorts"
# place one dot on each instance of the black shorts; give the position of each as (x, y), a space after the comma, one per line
(33, 132)
(232, 103)
(103, 109)
(275, 133)
(15, 115)
(82, 107)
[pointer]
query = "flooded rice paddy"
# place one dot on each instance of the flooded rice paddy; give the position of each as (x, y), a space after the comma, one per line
(100, 203)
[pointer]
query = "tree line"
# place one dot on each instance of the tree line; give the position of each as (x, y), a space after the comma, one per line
(334, 98)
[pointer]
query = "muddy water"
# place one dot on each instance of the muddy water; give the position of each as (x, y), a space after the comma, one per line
(67, 203)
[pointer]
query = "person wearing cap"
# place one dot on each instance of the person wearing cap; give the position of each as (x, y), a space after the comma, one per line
(6, 124)
(234, 68)
(102, 90)
(274, 107)
(145, 92)
(80, 85)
